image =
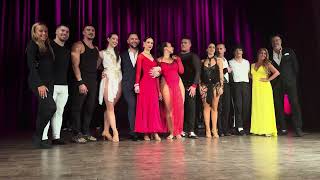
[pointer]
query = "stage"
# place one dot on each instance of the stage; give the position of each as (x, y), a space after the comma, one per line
(232, 157)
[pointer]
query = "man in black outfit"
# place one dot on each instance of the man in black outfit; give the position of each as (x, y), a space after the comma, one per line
(85, 60)
(190, 79)
(285, 60)
(225, 99)
(128, 68)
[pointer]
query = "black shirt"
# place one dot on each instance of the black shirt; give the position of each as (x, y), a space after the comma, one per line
(191, 64)
(40, 66)
(61, 63)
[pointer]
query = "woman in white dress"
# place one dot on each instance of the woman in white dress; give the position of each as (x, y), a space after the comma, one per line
(110, 86)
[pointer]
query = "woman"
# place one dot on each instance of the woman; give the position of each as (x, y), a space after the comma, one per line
(172, 90)
(211, 87)
(263, 121)
(110, 86)
(147, 87)
(40, 59)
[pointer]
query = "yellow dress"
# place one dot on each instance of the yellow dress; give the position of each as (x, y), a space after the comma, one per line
(263, 121)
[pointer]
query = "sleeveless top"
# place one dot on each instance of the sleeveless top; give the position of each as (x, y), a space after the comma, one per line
(88, 63)
(210, 77)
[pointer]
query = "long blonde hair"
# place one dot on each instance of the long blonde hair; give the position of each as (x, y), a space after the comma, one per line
(43, 46)
(266, 61)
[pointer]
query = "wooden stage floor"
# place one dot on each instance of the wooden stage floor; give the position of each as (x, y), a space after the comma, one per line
(232, 157)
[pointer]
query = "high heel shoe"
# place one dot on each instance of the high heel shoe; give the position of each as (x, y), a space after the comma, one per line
(106, 136)
(208, 134)
(115, 137)
(170, 137)
(146, 138)
(215, 133)
(157, 137)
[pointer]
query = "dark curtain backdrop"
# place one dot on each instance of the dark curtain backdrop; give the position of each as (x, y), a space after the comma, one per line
(247, 22)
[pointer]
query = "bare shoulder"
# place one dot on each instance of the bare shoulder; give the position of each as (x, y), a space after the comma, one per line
(78, 46)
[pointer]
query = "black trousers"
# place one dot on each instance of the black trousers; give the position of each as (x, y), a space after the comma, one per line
(224, 110)
(83, 106)
(46, 110)
(278, 93)
(242, 101)
(189, 112)
(130, 97)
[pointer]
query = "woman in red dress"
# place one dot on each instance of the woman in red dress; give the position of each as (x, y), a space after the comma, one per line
(148, 119)
(172, 90)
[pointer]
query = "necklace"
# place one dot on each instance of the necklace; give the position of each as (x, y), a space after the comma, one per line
(209, 63)
(147, 53)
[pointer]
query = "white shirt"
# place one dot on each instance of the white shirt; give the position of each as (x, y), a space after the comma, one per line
(240, 70)
(277, 57)
(226, 65)
(133, 57)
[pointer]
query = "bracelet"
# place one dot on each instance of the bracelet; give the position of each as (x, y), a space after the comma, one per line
(80, 82)
(136, 84)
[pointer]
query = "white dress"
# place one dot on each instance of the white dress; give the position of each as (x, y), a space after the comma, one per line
(112, 70)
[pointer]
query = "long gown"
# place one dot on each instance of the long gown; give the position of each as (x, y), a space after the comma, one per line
(263, 119)
(147, 111)
(170, 72)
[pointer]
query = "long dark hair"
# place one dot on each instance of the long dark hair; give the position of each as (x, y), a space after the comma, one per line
(116, 50)
(161, 47)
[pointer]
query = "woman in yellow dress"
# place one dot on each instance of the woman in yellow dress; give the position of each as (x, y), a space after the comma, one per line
(263, 121)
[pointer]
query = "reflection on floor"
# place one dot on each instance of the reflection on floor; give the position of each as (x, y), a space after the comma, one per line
(232, 157)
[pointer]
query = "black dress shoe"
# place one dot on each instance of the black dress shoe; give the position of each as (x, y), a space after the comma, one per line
(134, 138)
(227, 134)
(40, 144)
(58, 142)
(283, 132)
(242, 133)
(299, 132)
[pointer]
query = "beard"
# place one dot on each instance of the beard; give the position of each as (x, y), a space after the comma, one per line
(133, 46)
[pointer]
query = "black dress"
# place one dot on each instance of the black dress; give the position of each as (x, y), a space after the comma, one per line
(210, 77)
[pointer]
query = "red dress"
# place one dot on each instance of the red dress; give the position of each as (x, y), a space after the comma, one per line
(147, 110)
(170, 72)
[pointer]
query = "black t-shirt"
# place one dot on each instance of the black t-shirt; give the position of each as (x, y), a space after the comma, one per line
(61, 63)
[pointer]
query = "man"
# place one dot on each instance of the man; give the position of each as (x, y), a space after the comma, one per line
(285, 60)
(60, 90)
(242, 91)
(85, 58)
(190, 79)
(128, 63)
(224, 103)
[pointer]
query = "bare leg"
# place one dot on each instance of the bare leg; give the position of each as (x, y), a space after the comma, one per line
(206, 116)
(214, 113)
(106, 134)
(167, 102)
